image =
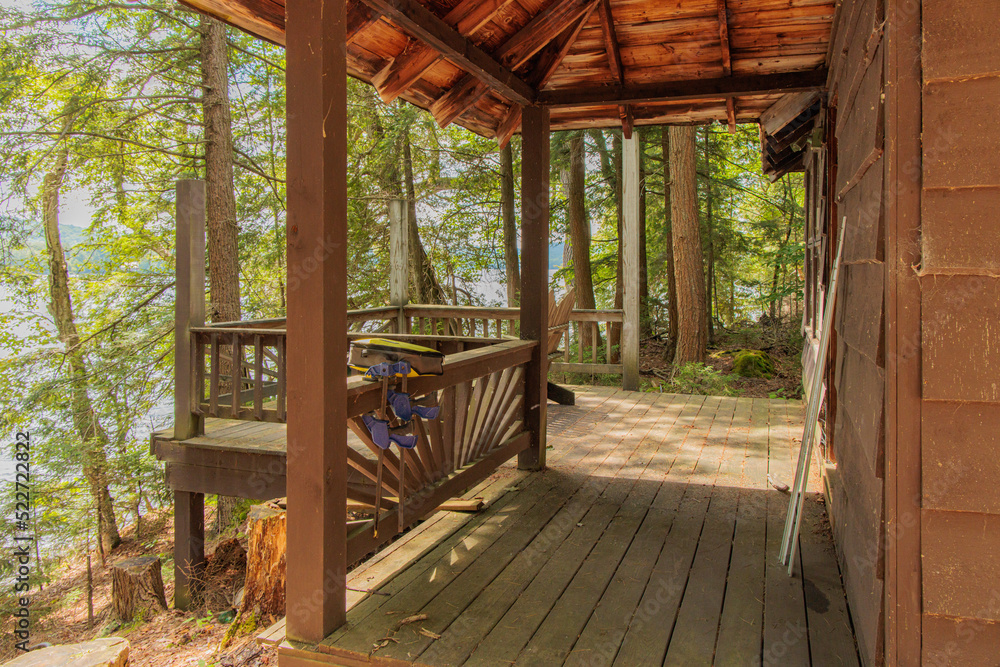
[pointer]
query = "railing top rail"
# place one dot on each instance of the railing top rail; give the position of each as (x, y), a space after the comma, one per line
(239, 330)
(364, 396)
(270, 323)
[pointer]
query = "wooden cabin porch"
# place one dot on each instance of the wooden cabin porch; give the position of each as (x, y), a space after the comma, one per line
(651, 538)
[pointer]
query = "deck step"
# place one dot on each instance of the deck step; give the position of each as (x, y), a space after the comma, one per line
(274, 635)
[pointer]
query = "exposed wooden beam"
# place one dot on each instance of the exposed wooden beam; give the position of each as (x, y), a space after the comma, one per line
(547, 63)
(509, 124)
(420, 22)
(731, 114)
(468, 17)
(730, 86)
(628, 120)
(611, 40)
(261, 20)
(555, 51)
(541, 30)
(516, 51)
(727, 59)
(359, 18)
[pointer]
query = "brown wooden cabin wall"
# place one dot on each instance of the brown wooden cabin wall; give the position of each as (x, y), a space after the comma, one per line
(858, 359)
(960, 311)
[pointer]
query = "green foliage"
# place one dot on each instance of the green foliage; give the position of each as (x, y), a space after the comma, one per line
(753, 364)
(699, 379)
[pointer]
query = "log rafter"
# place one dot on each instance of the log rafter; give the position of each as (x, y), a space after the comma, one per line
(421, 23)
(727, 58)
(514, 53)
(693, 89)
(547, 62)
(467, 18)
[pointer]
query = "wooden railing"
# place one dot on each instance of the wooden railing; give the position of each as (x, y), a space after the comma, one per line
(480, 425)
(588, 346)
(239, 372)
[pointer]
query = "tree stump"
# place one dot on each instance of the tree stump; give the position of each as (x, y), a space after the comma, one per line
(264, 591)
(137, 588)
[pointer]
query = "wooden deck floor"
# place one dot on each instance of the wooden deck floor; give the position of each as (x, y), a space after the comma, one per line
(651, 539)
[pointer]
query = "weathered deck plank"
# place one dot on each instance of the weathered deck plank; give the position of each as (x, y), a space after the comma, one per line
(651, 540)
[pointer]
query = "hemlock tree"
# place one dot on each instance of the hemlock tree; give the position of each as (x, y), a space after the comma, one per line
(692, 323)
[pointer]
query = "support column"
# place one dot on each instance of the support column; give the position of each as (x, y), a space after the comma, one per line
(189, 545)
(535, 275)
(189, 310)
(399, 255)
(630, 262)
(317, 318)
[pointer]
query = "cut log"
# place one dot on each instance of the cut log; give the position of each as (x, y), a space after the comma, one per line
(264, 592)
(137, 588)
(107, 652)
(263, 599)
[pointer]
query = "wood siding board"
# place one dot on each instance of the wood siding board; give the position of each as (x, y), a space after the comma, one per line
(863, 124)
(961, 38)
(863, 208)
(961, 338)
(861, 309)
(959, 641)
(961, 552)
(960, 230)
(961, 456)
(959, 130)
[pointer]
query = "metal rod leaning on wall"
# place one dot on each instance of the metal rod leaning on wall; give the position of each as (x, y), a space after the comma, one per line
(793, 518)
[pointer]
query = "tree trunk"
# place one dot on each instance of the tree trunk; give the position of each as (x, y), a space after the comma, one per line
(507, 203)
(710, 269)
(221, 224)
(220, 203)
(689, 268)
(579, 225)
(424, 283)
(85, 419)
(137, 589)
(669, 244)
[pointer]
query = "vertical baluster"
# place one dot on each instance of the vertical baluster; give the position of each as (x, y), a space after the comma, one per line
(434, 326)
(594, 338)
(236, 384)
(198, 374)
(499, 328)
(258, 380)
(607, 342)
(213, 388)
(281, 377)
(579, 341)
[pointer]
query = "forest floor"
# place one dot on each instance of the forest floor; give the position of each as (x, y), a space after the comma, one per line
(175, 638)
(783, 345)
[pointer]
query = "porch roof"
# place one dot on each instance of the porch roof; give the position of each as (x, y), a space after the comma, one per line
(595, 63)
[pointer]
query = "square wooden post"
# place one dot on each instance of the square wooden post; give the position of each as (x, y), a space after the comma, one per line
(535, 275)
(317, 318)
(630, 262)
(189, 308)
(189, 546)
(399, 255)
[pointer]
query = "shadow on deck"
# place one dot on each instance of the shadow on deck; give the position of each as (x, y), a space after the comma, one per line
(651, 539)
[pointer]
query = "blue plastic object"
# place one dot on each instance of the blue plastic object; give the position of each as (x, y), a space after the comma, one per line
(387, 370)
(379, 429)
